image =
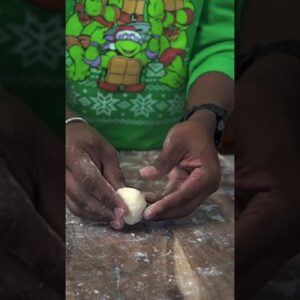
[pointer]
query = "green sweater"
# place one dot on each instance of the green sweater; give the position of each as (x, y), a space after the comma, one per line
(131, 64)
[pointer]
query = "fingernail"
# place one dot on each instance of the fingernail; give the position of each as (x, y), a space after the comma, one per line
(116, 224)
(148, 214)
(119, 212)
(145, 170)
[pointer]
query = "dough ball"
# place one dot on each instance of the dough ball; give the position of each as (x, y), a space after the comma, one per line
(136, 203)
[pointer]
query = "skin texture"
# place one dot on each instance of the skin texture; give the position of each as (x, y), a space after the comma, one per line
(32, 213)
(267, 148)
(92, 177)
(189, 156)
(267, 171)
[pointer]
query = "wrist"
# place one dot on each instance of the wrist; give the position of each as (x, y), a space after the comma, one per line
(206, 119)
(76, 122)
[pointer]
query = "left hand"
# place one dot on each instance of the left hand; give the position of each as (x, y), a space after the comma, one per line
(189, 158)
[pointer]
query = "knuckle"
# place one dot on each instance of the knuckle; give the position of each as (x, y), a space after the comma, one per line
(88, 181)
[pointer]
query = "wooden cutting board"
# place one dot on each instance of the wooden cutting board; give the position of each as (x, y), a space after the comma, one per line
(189, 258)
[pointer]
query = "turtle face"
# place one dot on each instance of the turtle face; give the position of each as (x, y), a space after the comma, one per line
(128, 48)
(93, 7)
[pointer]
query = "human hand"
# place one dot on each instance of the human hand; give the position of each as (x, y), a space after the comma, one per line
(189, 158)
(267, 171)
(92, 177)
(32, 223)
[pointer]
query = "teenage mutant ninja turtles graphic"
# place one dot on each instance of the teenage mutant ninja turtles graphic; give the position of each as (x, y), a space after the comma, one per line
(89, 16)
(121, 37)
(131, 48)
(178, 14)
(132, 11)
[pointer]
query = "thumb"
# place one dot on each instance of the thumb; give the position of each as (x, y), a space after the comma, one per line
(163, 165)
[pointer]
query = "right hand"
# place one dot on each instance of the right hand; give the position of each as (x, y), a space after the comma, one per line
(92, 177)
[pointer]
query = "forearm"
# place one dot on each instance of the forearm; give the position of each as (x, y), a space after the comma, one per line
(214, 88)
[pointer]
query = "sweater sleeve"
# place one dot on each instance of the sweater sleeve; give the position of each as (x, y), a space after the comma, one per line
(213, 49)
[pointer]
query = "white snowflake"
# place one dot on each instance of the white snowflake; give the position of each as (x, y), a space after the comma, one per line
(39, 41)
(143, 106)
(104, 105)
(176, 105)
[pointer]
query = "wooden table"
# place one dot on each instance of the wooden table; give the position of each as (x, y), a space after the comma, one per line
(190, 258)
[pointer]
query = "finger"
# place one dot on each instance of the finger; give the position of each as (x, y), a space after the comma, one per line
(151, 197)
(18, 282)
(77, 211)
(167, 160)
(191, 193)
(87, 173)
(83, 204)
(26, 235)
(112, 172)
(263, 226)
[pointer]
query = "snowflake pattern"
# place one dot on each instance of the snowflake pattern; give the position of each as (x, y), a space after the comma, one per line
(143, 106)
(104, 105)
(176, 105)
(155, 70)
(39, 42)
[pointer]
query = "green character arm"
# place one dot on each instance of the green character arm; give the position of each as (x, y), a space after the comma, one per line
(156, 9)
(92, 55)
(188, 4)
(77, 70)
(185, 16)
(105, 59)
(73, 26)
(152, 50)
(113, 11)
(90, 28)
(117, 3)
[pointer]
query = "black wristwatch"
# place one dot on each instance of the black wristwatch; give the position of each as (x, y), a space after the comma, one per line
(221, 116)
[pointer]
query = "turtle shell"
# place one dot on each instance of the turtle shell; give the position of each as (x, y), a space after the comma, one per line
(123, 71)
(173, 5)
(134, 7)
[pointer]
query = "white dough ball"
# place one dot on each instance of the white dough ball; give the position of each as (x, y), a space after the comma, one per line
(135, 202)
